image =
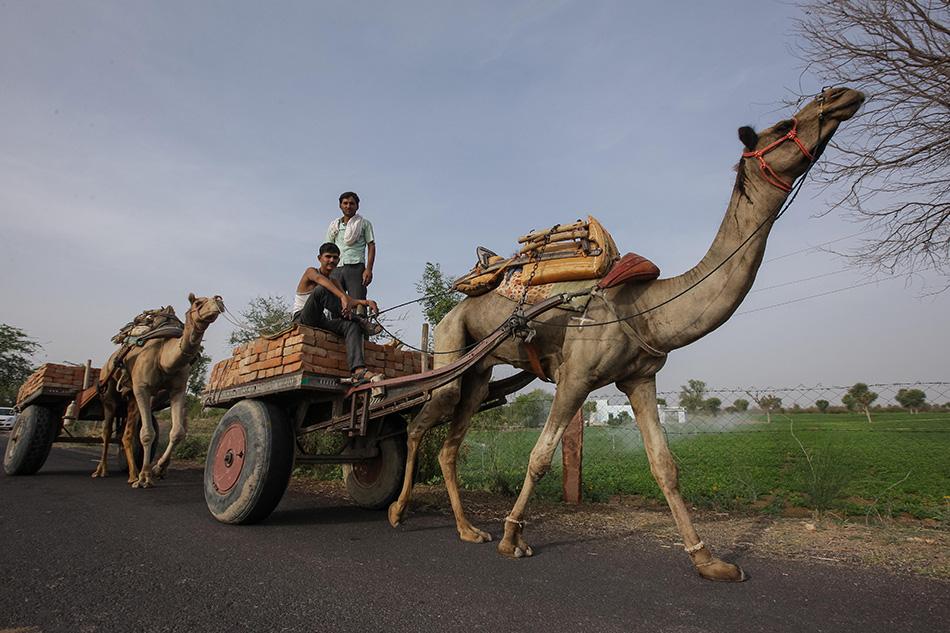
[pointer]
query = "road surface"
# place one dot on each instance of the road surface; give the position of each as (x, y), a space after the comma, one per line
(84, 555)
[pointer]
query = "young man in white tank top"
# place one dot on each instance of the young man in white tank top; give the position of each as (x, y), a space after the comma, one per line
(317, 292)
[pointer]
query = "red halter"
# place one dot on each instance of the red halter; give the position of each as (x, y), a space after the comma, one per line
(767, 172)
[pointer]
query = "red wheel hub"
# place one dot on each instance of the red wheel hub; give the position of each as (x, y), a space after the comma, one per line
(229, 458)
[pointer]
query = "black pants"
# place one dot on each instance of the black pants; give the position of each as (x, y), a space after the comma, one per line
(312, 314)
(350, 277)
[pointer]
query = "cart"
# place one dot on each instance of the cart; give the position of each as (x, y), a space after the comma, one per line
(52, 394)
(260, 438)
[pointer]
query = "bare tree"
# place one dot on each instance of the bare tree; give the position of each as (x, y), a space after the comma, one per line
(893, 164)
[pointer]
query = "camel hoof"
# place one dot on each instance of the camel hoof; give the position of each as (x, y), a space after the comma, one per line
(158, 472)
(394, 515)
(99, 474)
(721, 571)
(509, 550)
(474, 535)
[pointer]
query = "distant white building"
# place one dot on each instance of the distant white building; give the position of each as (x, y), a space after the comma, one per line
(668, 415)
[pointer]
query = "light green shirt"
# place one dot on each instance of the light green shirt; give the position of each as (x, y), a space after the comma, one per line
(355, 253)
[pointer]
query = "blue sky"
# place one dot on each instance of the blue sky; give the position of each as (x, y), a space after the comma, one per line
(151, 149)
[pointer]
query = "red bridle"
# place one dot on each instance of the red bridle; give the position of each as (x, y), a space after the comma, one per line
(767, 172)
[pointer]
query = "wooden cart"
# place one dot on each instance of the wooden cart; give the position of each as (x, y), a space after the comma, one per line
(260, 438)
(46, 398)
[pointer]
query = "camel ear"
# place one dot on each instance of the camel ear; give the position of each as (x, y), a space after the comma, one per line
(748, 137)
(191, 297)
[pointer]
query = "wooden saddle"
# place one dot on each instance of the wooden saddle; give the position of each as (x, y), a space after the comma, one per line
(565, 252)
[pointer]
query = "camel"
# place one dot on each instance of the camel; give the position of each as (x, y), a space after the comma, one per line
(155, 372)
(635, 326)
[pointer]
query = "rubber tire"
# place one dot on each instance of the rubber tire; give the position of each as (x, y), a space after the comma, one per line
(34, 430)
(377, 493)
(268, 462)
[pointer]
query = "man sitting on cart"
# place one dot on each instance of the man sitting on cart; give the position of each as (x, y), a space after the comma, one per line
(320, 302)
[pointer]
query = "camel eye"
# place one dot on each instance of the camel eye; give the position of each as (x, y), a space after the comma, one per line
(784, 126)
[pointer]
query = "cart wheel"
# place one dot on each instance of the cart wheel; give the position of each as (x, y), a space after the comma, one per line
(375, 483)
(249, 463)
(30, 440)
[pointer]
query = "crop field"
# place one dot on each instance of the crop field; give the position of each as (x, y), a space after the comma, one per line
(898, 464)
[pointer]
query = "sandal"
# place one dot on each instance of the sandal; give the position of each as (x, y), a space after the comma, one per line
(370, 328)
(364, 375)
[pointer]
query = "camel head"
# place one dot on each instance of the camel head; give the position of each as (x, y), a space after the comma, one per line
(783, 152)
(204, 310)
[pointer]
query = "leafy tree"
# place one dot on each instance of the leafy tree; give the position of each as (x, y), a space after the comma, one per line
(199, 374)
(741, 404)
(438, 296)
(892, 167)
(767, 403)
(822, 405)
(16, 350)
(588, 410)
(624, 417)
(530, 409)
(859, 397)
(264, 316)
(661, 402)
(712, 405)
(693, 395)
(912, 399)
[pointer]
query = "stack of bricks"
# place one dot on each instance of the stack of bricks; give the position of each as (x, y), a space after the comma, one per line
(56, 376)
(305, 349)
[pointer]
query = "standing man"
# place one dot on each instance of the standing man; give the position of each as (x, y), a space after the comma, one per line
(353, 234)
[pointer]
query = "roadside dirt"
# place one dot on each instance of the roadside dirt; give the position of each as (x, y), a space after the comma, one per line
(900, 546)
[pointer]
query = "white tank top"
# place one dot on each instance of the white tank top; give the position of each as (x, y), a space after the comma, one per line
(300, 300)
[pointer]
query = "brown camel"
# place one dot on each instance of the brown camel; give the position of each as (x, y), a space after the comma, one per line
(657, 317)
(153, 373)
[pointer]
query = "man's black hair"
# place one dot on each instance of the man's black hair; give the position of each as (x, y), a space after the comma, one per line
(329, 247)
(349, 194)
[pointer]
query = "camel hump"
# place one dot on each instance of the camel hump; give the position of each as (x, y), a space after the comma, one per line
(156, 323)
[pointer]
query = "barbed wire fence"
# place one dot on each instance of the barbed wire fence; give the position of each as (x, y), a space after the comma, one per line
(878, 450)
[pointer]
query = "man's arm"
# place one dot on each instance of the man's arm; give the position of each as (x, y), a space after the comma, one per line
(345, 300)
(370, 260)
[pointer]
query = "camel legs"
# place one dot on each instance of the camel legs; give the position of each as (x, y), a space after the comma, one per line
(443, 401)
(132, 422)
(568, 399)
(108, 419)
(147, 434)
(176, 434)
(474, 390)
(642, 395)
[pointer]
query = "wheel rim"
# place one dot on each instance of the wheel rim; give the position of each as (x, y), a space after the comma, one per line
(229, 458)
(367, 472)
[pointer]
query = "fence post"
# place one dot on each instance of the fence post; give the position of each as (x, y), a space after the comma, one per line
(572, 453)
(425, 346)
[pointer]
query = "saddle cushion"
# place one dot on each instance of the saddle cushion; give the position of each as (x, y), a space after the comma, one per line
(511, 287)
(630, 267)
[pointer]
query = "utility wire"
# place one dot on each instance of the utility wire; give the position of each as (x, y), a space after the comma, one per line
(821, 294)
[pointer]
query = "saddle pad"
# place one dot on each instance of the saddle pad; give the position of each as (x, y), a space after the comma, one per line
(512, 288)
(631, 267)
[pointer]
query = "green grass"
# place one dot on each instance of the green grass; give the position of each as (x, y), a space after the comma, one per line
(898, 464)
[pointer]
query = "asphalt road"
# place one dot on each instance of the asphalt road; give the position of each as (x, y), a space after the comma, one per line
(84, 555)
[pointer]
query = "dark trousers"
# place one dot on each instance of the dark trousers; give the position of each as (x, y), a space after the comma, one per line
(312, 314)
(350, 277)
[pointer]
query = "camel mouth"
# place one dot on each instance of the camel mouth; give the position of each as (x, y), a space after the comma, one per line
(845, 103)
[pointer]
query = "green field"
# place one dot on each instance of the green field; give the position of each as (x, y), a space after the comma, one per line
(899, 464)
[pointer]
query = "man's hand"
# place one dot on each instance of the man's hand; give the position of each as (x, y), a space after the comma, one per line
(347, 303)
(367, 277)
(373, 308)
